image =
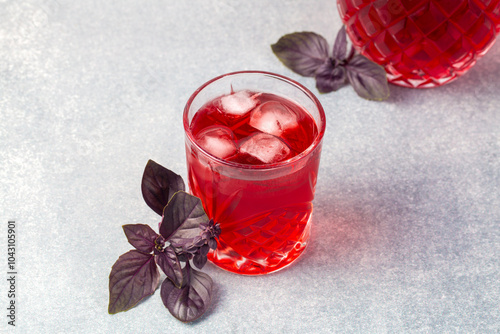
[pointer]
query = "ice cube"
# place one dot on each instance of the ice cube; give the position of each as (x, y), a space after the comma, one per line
(217, 140)
(274, 118)
(239, 103)
(266, 148)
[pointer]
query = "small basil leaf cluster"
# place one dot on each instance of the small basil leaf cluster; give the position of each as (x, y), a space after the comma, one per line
(306, 53)
(186, 235)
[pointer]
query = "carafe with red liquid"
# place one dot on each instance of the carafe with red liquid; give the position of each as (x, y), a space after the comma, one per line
(422, 43)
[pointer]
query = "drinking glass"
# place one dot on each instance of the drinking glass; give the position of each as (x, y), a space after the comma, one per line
(264, 210)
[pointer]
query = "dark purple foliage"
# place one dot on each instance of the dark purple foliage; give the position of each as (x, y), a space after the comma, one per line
(181, 220)
(190, 301)
(330, 77)
(340, 45)
(169, 263)
(186, 234)
(133, 277)
(366, 78)
(159, 185)
(302, 52)
(141, 236)
(306, 53)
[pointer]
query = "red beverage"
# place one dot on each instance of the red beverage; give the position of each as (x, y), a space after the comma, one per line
(253, 159)
(422, 43)
(297, 132)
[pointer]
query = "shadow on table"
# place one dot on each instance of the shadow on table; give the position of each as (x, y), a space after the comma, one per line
(342, 234)
(387, 223)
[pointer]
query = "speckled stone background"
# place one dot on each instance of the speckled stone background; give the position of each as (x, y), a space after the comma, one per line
(407, 210)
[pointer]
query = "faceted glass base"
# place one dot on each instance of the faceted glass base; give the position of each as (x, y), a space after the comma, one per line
(422, 43)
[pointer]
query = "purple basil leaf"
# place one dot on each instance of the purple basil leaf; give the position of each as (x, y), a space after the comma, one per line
(198, 241)
(181, 220)
(159, 185)
(141, 236)
(191, 301)
(204, 250)
(368, 79)
(302, 52)
(212, 244)
(330, 77)
(168, 262)
(183, 257)
(340, 46)
(351, 54)
(133, 277)
(200, 260)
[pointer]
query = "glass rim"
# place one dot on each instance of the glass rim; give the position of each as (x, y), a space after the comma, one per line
(316, 142)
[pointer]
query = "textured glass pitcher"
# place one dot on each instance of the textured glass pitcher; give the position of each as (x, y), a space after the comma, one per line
(422, 43)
